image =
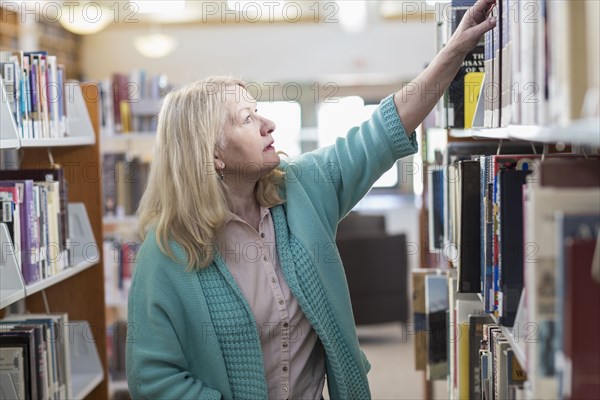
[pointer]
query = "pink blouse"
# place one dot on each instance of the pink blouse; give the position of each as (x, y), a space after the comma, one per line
(293, 355)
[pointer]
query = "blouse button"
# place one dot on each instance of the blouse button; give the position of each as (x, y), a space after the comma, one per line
(273, 280)
(285, 324)
(265, 258)
(280, 301)
(285, 344)
(262, 235)
(285, 368)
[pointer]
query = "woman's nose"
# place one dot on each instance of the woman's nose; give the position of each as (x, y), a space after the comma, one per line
(267, 127)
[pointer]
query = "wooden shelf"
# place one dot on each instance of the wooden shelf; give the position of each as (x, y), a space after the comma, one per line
(61, 276)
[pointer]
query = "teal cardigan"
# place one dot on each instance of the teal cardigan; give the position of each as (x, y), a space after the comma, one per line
(191, 335)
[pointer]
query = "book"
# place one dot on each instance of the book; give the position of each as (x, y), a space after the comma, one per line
(568, 75)
(511, 243)
(467, 81)
(9, 199)
(12, 361)
(420, 317)
(61, 231)
(469, 269)
(435, 193)
(29, 230)
(25, 339)
(59, 340)
(40, 372)
(581, 348)
(577, 292)
(476, 323)
(466, 308)
(436, 304)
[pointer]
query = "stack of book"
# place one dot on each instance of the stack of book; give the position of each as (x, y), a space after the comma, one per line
(526, 221)
(34, 208)
(130, 103)
(119, 264)
(538, 66)
(35, 356)
(124, 181)
(34, 85)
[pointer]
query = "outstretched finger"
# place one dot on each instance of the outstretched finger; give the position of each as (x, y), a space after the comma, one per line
(480, 10)
(486, 25)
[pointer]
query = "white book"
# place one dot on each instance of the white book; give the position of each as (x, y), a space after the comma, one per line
(53, 97)
(540, 55)
(515, 63)
(53, 201)
(529, 89)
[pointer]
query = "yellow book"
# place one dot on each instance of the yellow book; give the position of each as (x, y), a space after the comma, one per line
(473, 81)
(125, 116)
(463, 361)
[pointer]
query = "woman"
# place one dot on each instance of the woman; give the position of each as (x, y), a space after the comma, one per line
(239, 292)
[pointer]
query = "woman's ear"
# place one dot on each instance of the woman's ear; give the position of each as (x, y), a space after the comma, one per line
(219, 164)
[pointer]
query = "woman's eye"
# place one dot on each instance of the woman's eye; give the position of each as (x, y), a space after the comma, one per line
(247, 119)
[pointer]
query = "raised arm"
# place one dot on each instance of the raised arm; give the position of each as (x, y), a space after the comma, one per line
(338, 176)
(416, 100)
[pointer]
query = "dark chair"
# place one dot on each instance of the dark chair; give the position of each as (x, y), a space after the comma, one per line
(376, 269)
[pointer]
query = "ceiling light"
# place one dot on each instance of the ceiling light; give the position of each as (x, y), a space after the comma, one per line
(155, 6)
(155, 45)
(85, 17)
(353, 15)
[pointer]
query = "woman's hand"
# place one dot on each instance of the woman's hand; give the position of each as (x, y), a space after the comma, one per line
(472, 27)
(416, 100)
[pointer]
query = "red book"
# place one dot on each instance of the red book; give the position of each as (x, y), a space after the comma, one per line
(581, 324)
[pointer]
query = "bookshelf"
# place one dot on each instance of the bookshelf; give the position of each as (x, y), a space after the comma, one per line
(558, 196)
(79, 127)
(583, 132)
(79, 290)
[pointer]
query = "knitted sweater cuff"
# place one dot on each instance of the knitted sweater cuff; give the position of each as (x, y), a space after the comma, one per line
(404, 145)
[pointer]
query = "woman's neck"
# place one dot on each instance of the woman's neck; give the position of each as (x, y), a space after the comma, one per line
(244, 202)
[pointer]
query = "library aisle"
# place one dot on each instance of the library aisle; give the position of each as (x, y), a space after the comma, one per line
(473, 266)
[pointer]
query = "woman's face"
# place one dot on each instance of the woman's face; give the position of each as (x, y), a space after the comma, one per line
(249, 152)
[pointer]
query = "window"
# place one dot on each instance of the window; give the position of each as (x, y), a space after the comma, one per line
(286, 116)
(338, 116)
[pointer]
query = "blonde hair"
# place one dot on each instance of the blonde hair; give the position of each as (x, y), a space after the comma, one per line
(185, 201)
